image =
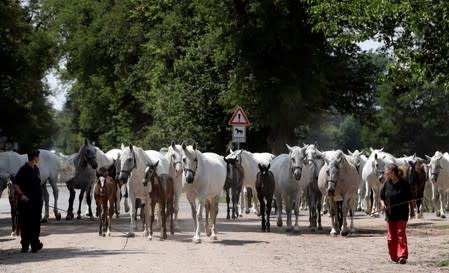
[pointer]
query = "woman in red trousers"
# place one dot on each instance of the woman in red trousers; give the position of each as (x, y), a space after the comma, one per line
(396, 203)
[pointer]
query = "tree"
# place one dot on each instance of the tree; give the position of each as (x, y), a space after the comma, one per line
(26, 53)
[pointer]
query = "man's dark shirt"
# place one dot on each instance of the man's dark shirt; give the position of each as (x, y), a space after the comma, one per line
(29, 180)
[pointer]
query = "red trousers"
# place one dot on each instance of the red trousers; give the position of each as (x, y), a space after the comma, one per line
(397, 239)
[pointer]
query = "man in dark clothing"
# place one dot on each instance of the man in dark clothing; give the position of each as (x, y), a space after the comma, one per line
(27, 185)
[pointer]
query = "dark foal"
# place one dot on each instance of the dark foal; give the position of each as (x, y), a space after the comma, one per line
(233, 185)
(265, 190)
(161, 191)
(416, 174)
(105, 198)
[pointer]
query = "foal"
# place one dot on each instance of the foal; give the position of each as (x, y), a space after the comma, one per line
(265, 190)
(233, 183)
(161, 191)
(105, 198)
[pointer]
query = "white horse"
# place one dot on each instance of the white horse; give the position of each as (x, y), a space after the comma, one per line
(373, 175)
(174, 157)
(338, 180)
(287, 171)
(358, 159)
(439, 176)
(134, 160)
(203, 179)
(49, 167)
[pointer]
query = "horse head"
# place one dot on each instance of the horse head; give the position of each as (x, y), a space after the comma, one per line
(175, 157)
(333, 172)
(127, 164)
(296, 156)
(435, 166)
(189, 161)
(378, 164)
(150, 173)
(88, 155)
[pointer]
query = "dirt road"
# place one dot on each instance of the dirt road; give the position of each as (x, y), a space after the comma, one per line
(74, 246)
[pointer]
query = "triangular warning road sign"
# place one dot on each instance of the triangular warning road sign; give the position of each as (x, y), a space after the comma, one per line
(239, 117)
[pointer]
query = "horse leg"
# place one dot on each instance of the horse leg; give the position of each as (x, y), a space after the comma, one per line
(288, 210)
(296, 209)
(435, 200)
(150, 213)
(345, 209)
(199, 219)
(100, 219)
(213, 210)
(228, 207)
(206, 223)
(46, 198)
(318, 206)
(171, 211)
(55, 189)
(132, 214)
(117, 201)
(333, 211)
(443, 200)
(279, 209)
(164, 220)
(260, 196)
(89, 202)
(125, 201)
(235, 202)
(71, 199)
(269, 202)
(80, 200)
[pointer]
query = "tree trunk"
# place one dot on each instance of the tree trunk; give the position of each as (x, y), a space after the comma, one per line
(280, 135)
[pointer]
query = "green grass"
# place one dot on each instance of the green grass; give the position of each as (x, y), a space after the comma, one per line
(444, 263)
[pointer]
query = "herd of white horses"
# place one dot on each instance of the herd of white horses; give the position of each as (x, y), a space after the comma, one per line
(343, 183)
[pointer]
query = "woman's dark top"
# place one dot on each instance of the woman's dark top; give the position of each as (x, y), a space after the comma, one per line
(396, 197)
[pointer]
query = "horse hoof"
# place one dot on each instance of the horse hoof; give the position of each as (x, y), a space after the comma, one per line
(279, 223)
(196, 240)
(296, 229)
(443, 216)
(104, 235)
(44, 220)
(344, 233)
(150, 237)
(78, 217)
(130, 234)
(312, 229)
(13, 234)
(288, 229)
(69, 217)
(247, 211)
(213, 237)
(58, 217)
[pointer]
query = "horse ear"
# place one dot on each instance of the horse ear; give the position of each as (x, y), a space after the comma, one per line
(260, 167)
(428, 157)
(349, 152)
(269, 165)
(122, 146)
(130, 147)
(194, 146)
(289, 148)
(173, 143)
(184, 146)
(85, 141)
(157, 163)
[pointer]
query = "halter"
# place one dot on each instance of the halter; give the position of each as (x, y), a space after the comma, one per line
(296, 168)
(193, 171)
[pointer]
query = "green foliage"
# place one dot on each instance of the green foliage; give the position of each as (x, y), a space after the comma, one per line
(26, 53)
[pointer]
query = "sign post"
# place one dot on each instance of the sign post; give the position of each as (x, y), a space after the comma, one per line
(239, 122)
